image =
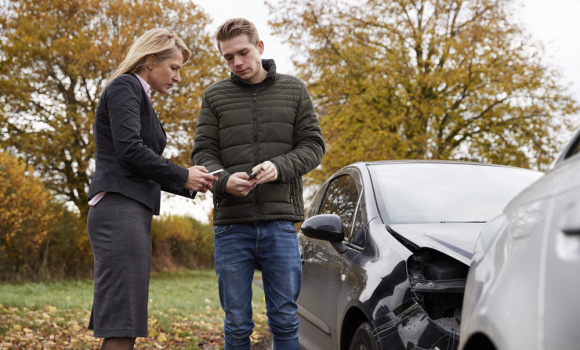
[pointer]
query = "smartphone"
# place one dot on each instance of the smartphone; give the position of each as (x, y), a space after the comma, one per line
(254, 173)
(216, 172)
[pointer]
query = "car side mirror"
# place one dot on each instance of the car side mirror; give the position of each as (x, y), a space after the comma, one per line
(326, 227)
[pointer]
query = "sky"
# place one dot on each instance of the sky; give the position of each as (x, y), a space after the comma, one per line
(552, 22)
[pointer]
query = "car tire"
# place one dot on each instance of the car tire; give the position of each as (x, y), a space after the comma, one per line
(363, 338)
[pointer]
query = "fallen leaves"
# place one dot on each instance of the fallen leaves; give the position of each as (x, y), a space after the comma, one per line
(47, 328)
(51, 328)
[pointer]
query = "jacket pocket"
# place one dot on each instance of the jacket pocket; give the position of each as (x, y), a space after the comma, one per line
(296, 196)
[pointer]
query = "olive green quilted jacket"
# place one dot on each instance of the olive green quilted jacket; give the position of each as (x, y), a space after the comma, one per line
(240, 126)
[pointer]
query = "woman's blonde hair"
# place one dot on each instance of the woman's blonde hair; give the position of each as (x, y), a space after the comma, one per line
(159, 42)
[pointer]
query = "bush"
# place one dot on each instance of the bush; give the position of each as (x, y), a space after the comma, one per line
(181, 241)
(177, 241)
(41, 240)
(27, 215)
(68, 250)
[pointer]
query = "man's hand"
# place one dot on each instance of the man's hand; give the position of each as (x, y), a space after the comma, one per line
(199, 179)
(239, 185)
(268, 174)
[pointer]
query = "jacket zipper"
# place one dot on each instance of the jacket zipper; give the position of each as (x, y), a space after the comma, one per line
(254, 93)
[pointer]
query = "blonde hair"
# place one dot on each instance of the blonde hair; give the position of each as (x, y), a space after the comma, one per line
(237, 26)
(159, 42)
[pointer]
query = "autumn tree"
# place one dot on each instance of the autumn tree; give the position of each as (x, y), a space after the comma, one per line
(426, 79)
(55, 58)
(26, 216)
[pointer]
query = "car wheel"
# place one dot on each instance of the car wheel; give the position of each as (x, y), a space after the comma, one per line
(363, 338)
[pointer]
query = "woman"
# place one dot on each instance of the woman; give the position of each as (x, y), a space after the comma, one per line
(126, 187)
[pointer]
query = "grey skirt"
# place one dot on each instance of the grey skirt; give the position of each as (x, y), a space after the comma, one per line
(120, 232)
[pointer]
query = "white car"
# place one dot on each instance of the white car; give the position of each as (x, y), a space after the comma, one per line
(523, 285)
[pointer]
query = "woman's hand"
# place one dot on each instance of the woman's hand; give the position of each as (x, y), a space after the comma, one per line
(199, 179)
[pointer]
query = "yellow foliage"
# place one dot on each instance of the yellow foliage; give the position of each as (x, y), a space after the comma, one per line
(426, 79)
(55, 58)
(26, 217)
(181, 241)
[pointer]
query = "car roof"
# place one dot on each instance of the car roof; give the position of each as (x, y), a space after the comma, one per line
(430, 161)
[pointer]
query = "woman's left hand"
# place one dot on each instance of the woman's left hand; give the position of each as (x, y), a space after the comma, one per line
(199, 179)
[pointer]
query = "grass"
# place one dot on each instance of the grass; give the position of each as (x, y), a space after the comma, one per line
(184, 313)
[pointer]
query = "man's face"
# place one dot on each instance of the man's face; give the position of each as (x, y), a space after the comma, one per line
(244, 59)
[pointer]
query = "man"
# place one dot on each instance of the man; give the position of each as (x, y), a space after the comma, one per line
(257, 119)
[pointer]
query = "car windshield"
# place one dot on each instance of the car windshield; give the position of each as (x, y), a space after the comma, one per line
(446, 192)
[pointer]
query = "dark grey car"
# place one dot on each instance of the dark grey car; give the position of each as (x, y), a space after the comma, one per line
(386, 248)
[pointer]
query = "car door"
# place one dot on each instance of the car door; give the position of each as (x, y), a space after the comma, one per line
(313, 333)
(353, 276)
(561, 304)
(321, 269)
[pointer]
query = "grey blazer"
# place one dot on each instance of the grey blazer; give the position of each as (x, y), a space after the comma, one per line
(129, 141)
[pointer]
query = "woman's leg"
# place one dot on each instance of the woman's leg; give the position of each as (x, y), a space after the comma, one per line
(118, 344)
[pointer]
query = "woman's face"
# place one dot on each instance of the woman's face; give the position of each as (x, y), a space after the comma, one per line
(165, 73)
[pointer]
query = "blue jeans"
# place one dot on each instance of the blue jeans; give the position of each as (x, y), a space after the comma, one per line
(270, 246)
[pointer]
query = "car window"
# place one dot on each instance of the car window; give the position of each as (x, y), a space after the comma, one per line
(341, 199)
(574, 150)
(446, 192)
(359, 226)
(315, 203)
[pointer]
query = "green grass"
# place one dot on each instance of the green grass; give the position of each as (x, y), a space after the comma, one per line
(184, 313)
(34, 296)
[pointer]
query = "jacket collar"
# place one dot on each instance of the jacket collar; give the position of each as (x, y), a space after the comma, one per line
(269, 65)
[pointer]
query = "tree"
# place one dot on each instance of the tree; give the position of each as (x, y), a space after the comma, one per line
(55, 58)
(426, 79)
(26, 216)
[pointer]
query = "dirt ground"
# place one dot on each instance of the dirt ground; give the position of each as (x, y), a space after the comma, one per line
(263, 345)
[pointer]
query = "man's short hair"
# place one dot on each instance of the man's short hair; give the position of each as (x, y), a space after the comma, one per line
(237, 26)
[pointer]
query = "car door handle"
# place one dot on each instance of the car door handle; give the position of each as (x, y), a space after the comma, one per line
(571, 225)
(568, 239)
(570, 231)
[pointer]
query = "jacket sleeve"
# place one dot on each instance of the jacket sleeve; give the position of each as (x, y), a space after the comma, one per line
(206, 146)
(183, 193)
(124, 106)
(308, 143)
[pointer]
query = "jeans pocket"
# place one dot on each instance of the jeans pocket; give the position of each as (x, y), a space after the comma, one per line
(286, 226)
(220, 229)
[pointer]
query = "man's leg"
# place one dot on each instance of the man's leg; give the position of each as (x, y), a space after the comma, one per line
(279, 258)
(234, 266)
